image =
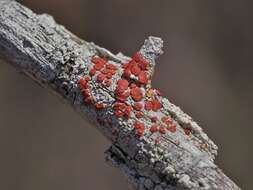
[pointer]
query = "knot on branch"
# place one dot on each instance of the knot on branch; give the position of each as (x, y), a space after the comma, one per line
(152, 48)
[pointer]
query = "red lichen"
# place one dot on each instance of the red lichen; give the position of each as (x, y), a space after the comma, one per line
(92, 72)
(113, 72)
(99, 62)
(154, 119)
(157, 141)
(127, 73)
(162, 130)
(137, 106)
(128, 111)
(136, 94)
(133, 85)
(140, 128)
(143, 77)
(156, 105)
(143, 65)
(109, 75)
(99, 106)
(142, 62)
(138, 125)
(121, 109)
(108, 82)
(187, 131)
(172, 128)
(87, 78)
(122, 85)
(138, 114)
(153, 128)
(88, 100)
(100, 77)
(118, 113)
(140, 132)
(135, 70)
(119, 106)
(111, 66)
(86, 93)
(122, 96)
(167, 120)
(82, 83)
(105, 71)
(148, 105)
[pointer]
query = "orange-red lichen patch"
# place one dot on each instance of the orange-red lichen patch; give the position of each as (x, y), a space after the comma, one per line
(87, 78)
(122, 96)
(113, 72)
(108, 82)
(157, 141)
(89, 100)
(140, 128)
(138, 125)
(99, 106)
(136, 93)
(154, 119)
(172, 128)
(121, 109)
(128, 111)
(137, 106)
(99, 62)
(187, 131)
(133, 85)
(101, 77)
(86, 93)
(111, 66)
(162, 130)
(122, 85)
(118, 113)
(105, 71)
(156, 105)
(143, 64)
(92, 72)
(127, 73)
(119, 106)
(167, 120)
(109, 75)
(153, 128)
(135, 77)
(143, 77)
(82, 83)
(138, 114)
(148, 105)
(135, 70)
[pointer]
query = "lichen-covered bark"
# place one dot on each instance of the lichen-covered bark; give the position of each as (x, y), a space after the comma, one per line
(157, 147)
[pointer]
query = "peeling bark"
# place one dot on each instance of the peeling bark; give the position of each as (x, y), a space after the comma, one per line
(182, 158)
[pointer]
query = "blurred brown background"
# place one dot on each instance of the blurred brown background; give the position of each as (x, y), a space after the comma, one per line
(206, 69)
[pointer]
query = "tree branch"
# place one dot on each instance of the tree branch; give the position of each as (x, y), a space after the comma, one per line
(154, 143)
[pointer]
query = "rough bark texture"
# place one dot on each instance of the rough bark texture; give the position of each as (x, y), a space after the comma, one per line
(56, 59)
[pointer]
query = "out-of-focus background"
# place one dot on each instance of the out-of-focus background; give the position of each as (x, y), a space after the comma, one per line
(207, 70)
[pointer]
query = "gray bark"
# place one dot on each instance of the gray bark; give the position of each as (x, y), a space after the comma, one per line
(56, 59)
